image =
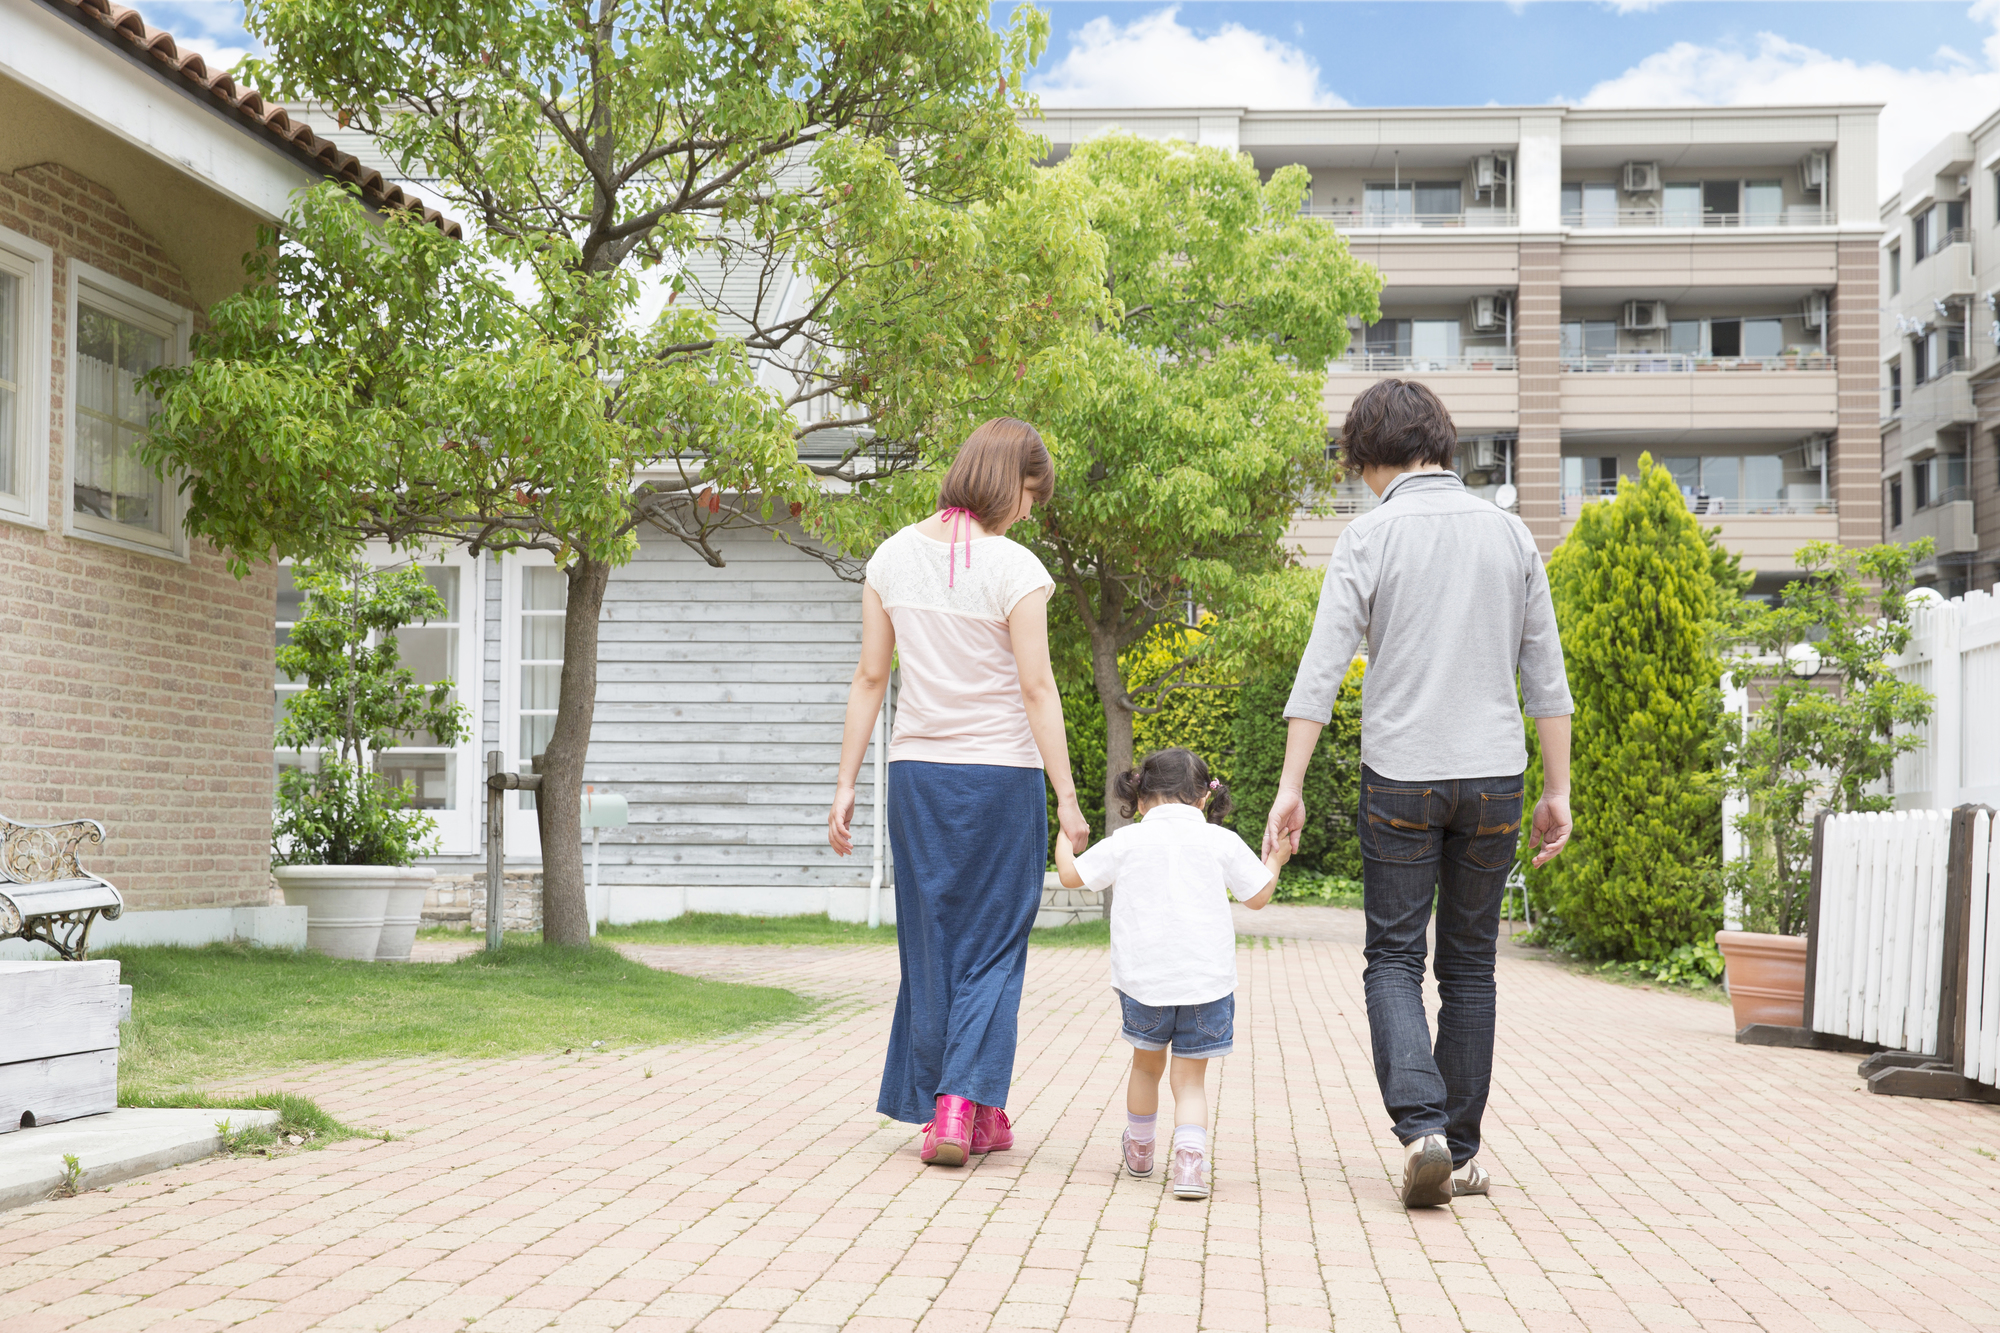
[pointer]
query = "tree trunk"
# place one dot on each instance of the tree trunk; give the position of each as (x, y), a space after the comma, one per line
(559, 802)
(1117, 724)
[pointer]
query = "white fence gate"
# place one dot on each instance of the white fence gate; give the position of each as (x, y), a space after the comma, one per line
(1879, 960)
(1982, 957)
(1954, 653)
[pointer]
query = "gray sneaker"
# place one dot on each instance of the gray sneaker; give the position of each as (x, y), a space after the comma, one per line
(1471, 1179)
(1427, 1173)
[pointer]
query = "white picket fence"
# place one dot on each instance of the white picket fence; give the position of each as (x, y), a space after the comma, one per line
(1982, 958)
(1954, 653)
(1879, 967)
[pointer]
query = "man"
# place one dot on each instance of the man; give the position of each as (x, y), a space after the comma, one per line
(1450, 593)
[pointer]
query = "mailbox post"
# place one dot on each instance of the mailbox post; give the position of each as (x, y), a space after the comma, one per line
(600, 810)
(498, 783)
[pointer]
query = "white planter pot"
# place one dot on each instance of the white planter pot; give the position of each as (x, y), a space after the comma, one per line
(405, 914)
(346, 906)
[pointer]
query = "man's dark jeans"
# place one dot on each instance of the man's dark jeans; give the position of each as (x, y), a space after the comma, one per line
(1456, 840)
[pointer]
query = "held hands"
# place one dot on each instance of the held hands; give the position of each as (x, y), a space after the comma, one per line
(841, 814)
(1551, 829)
(1069, 818)
(1287, 821)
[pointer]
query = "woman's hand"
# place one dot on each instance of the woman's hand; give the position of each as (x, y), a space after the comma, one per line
(1069, 818)
(838, 817)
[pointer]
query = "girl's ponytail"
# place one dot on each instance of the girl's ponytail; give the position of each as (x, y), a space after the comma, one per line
(1219, 805)
(1126, 788)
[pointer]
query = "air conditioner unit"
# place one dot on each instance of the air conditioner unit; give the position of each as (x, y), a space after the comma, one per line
(1814, 311)
(1483, 172)
(1642, 178)
(1488, 313)
(1485, 452)
(1812, 170)
(1643, 315)
(1816, 451)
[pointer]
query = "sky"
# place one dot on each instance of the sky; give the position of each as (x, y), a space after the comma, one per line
(1935, 64)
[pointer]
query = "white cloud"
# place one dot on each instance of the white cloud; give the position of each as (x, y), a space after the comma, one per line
(1920, 106)
(1156, 61)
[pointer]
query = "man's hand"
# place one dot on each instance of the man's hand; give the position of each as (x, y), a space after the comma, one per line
(1550, 833)
(1287, 821)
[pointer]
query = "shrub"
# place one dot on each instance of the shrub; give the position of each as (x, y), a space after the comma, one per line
(1636, 597)
(1328, 844)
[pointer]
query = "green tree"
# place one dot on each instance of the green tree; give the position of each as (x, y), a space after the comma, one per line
(833, 197)
(1187, 426)
(1329, 842)
(1830, 716)
(356, 698)
(1635, 588)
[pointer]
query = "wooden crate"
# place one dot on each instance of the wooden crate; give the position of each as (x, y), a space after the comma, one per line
(59, 1040)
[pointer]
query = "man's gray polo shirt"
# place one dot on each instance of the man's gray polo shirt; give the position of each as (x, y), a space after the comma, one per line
(1451, 595)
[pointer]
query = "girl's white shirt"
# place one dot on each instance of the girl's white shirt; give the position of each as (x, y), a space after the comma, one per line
(1172, 938)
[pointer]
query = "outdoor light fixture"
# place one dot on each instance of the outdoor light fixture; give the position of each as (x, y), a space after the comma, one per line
(1803, 661)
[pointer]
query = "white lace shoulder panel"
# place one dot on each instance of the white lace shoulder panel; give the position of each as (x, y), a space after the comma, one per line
(911, 569)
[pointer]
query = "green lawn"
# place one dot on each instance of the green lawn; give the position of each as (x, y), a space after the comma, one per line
(724, 928)
(202, 1016)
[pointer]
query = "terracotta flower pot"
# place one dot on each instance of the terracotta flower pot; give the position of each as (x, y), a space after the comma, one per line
(1766, 977)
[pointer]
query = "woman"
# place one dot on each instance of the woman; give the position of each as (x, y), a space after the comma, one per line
(977, 715)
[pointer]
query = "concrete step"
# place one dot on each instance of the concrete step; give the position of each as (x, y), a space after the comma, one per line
(115, 1146)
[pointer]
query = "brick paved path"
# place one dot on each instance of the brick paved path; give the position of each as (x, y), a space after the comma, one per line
(1649, 1174)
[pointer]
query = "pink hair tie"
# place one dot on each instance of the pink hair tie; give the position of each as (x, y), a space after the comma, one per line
(1213, 784)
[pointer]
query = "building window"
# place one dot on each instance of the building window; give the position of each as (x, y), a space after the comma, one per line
(1590, 477)
(1583, 339)
(1680, 203)
(1388, 337)
(1420, 203)
(1895, 270)
(1590, 204)
(1936, 227)
(544, 595)
(1895, 502)
(1938, 479)
(25, 306)
(1895, 387)
(13, 485)
(118, 333)
(1763, 203)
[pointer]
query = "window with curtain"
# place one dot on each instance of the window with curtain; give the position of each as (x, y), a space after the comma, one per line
(1763, 203)
(1434, 339)
(1585, 338)
(1680, 204)
(1388, 337)
(111, 485)
(1590, 204)
(1388, 205)
(544, 597)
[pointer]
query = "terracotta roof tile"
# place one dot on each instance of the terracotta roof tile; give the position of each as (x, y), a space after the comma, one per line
(158, 50)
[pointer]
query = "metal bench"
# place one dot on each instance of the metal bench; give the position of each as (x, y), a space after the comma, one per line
(45, 894)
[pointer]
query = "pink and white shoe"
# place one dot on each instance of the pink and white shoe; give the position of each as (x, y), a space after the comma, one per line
(948, 1137)
(1138, 1156)
(990, 1131)
(1190, 1173)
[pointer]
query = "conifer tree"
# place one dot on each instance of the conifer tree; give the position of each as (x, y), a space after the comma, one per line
(1636, 592)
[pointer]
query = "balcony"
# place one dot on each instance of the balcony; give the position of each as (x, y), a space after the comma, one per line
(1944, 399)
(1664, 392)
(1383, 363)
(1481, 390)
(1766, 533)
(1948, 522)
(1944, 274)
(1708, 507)
(1610, 219)
(1388, 219)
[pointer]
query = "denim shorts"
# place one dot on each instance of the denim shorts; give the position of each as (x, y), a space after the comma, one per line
(1196, 1031)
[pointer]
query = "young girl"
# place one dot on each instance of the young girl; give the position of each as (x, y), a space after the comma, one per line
(1173, 944)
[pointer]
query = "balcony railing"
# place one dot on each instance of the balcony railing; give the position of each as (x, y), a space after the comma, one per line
(1384, 362)
(1952, 365)
(1956, 236)
(1792, 215)
(1346, 503)
(1948, 495)
(1709, 506)
(1633, 363)
(1384, 217)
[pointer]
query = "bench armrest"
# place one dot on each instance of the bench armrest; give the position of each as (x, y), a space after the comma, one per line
(39, 853)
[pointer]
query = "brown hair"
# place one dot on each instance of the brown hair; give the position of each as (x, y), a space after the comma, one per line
(1173, 775)
(1397, 423)
(992, 464)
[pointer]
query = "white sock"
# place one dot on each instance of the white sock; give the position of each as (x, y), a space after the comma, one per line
(1191, 1136)
(1140, 1127)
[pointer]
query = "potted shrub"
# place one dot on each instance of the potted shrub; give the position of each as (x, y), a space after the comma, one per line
(345, 839)
(1822, 738)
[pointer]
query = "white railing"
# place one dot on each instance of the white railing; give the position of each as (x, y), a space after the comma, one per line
(1954, 652)
(1878, 972)
(1981, 1047)
(1677, 363)
(1710, 507)
(1377, 362)
(1791, 215)
(1346, 218)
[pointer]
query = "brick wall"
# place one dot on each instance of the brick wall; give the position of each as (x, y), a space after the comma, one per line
(134, 689)
(1857, 441)
(1538, 338)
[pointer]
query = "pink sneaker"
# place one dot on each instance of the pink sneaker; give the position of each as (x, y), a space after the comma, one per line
(947, 1137)
(1138, 1156)
(1190, 1173)
(990, 1131)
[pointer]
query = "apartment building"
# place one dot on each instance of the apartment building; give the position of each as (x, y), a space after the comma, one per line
(1941, 360)
(1584, 286)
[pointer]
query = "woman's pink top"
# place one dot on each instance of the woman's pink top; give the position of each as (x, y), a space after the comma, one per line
(960, 696)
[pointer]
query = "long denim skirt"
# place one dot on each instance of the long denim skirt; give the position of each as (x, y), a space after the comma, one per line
(971, 844)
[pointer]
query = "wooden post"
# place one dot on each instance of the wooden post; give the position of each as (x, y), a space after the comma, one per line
(496, 850)
(1812, 916)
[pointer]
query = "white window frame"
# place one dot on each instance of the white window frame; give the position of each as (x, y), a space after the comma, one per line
(458, 830)
(33, 264)
(173, 323)
(524, 836)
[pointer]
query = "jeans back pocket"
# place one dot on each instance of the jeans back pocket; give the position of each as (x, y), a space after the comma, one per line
(1398, 821)
(1498, 832)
